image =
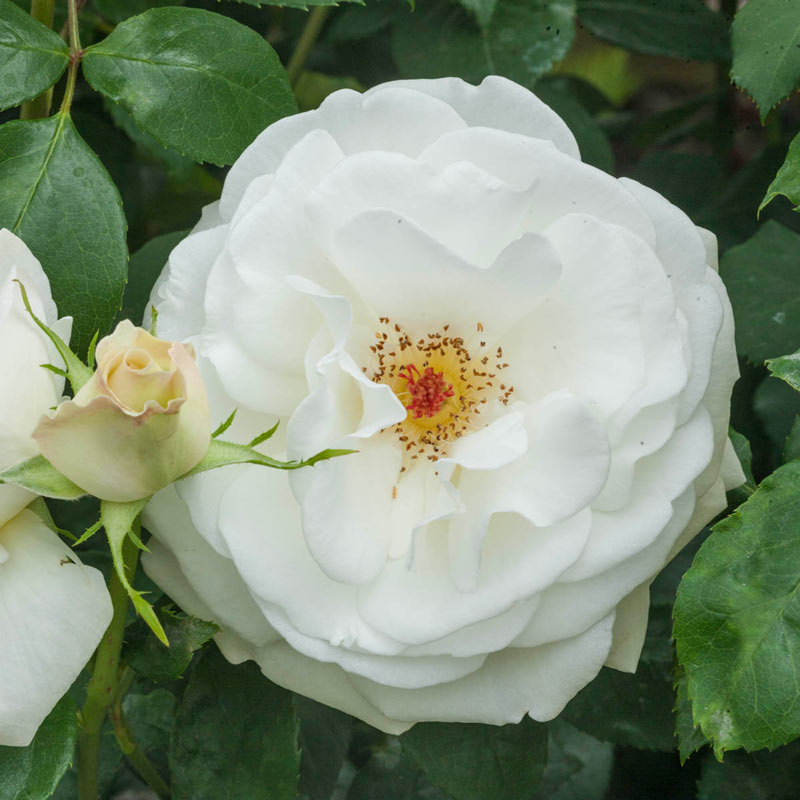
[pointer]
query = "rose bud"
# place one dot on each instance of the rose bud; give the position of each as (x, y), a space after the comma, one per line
(138, 424)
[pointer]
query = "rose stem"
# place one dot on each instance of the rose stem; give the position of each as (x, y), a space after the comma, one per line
(127, 743)
(103, 690)
(313, 27)
(42, 11)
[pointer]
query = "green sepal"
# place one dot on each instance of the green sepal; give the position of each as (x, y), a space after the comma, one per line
(77, 372)
(118, 519)
(38, 475)
(223, 454)
(225, 425)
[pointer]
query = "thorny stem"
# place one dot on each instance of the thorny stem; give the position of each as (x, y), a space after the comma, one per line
(103, 691)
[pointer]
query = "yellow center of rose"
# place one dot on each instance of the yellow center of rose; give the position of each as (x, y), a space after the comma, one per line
(444, 384)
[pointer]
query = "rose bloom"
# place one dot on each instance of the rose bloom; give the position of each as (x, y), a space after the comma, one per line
(533, 360)
(53, 610)
(137, 424)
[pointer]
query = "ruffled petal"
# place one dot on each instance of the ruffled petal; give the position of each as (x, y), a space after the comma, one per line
(53, 613)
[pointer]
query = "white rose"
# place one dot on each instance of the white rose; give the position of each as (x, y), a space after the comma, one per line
(54, 610)
(534, 361)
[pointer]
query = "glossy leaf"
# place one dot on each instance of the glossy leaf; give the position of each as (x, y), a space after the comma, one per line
(33, 772)
(676, 28)
(196, 81)
(737, 621)
(787, 368)
(58, 198)
(32, 57)
(474, 761)
(787, 181)
(149, 657)
(578, 765)
(235, 735)
(763, 281)
(323, 740)
(523, 39)
(766, 55)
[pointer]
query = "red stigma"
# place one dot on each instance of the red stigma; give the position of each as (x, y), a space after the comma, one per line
(428, 390)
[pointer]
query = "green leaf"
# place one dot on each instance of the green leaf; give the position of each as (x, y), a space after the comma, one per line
(32, 57)
(38, 475)
(592, 140)
(787, 181)
(303, 5)
(676, 28)
(118, 519)
(178, 167)
(690, 737)
(147, 655)
(151, 717)
(633, 710)
(33, 772)
(787, 368)
(763, 281)
(235, 735)
(745, 455)
(766, 51)
(791, 449)
(196, 81)
(58, 198)
(475, 761)
(753, 776)
(323, 739)
(390, 774)
(737, 621)
(146, 265)
(522, 41)
(222, 454)
(578, 765)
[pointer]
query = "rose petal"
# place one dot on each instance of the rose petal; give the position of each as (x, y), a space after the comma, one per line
(53, 613)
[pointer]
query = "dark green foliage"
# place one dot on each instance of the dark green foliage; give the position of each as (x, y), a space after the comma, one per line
(60, 201)
(196, 81)
(472, 761)
(235, 735)
(32, 57)
(33, 772)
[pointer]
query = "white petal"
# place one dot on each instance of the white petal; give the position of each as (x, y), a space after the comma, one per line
(497, 103)
(179, 293)
(53, 613)
(469, 211)
(537, 681)
(394, 119)
(559, 184)
(404, 273)
(630, 627)
(346, 509)
(499, 443)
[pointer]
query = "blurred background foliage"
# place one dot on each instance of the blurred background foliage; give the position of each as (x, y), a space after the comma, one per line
(645, 86)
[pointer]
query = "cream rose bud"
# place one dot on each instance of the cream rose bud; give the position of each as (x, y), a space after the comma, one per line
(534, 361)
(138, 424)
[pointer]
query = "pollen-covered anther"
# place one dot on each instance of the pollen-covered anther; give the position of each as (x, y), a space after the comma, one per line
(439, 382)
